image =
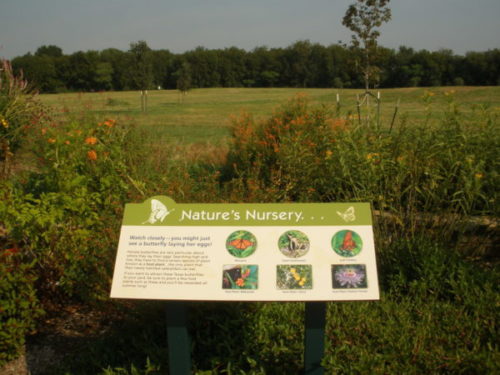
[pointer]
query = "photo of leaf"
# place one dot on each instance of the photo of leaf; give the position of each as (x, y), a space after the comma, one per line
(346, 276)
(241, 244)
(347, 243)
(293, 244)
(240, 276)
(294, 276)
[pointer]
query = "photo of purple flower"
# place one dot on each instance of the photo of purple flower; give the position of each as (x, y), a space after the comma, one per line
(349, 276)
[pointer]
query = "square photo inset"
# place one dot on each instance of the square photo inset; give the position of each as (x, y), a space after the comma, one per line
(294, 276)
(240, 276)
(349, 276)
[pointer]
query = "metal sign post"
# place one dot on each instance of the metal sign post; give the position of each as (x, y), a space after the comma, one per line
(179, 348)
(314, 338)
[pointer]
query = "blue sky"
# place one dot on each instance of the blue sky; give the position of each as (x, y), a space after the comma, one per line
(181, 25)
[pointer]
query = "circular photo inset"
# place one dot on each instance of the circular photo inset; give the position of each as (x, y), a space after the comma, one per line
(241, 244)
(347, 243)
(293, 244)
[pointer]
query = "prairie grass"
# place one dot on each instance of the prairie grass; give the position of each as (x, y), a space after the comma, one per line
(205, 113)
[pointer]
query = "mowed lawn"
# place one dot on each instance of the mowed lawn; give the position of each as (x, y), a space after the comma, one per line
(205, 114)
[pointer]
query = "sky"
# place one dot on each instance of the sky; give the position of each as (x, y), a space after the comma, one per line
(182, 25)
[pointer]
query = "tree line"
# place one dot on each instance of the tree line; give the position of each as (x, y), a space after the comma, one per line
(302, 64)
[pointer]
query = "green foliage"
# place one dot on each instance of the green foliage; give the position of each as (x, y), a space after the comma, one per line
(437, 314)
(302, 64)
(363, 18)
(19, 306)
(17, 109)
(309, 154)
(141, 69)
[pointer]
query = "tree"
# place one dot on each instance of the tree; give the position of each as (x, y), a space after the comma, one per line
(363, 18)
(51, 50)
(184, 78)
(142, 65)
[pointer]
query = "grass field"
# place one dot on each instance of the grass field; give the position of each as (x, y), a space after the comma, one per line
(204, 114)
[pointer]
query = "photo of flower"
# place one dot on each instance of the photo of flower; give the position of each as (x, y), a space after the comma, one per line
(294, 276)
(347, 243)
(346, 276)
(240, 276)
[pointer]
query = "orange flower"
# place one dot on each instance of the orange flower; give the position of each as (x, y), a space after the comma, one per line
(240, 282)
(91, 140)
(92, 155)
(109, 123)
(67, 142)
(51, 140)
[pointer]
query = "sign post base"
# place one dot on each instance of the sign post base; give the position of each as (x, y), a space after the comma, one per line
(314, 337)
(179, 349)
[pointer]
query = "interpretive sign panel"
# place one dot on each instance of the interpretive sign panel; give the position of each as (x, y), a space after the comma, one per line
(246, 252)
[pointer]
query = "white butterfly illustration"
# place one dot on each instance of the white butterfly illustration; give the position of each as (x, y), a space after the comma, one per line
(158, 212)
(348, 215)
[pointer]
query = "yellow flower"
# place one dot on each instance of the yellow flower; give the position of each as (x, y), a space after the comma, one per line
(296, 276)
(479, 176)
(373, 157)
(329, 154)
(293, 270)
(4, 123)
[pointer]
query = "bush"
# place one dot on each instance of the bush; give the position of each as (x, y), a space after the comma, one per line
(18, 109)
(19, 307)
(310, 154)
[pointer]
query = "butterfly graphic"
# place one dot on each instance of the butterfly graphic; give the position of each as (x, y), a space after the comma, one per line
(348, 215)
(158, 212)
(241, 243)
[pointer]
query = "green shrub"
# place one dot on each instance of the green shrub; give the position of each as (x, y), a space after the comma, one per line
(18, 110)
(19, 307)
(303, 153)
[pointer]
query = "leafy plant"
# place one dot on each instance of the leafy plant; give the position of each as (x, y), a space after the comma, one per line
(18, 110)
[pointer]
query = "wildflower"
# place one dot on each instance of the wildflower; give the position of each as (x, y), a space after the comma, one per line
(67, 142)
(350, 277)
(51, 140)
(91, 140)
(110, 123)
(329, 154)
(240, 282)
(479, 175)
(246, 273)
(374, 157)
(296, 276)
(4, 123)
(43, 131)
(293, 270)
(92, 155)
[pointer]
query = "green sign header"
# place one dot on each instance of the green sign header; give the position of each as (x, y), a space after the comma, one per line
(164, 211)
